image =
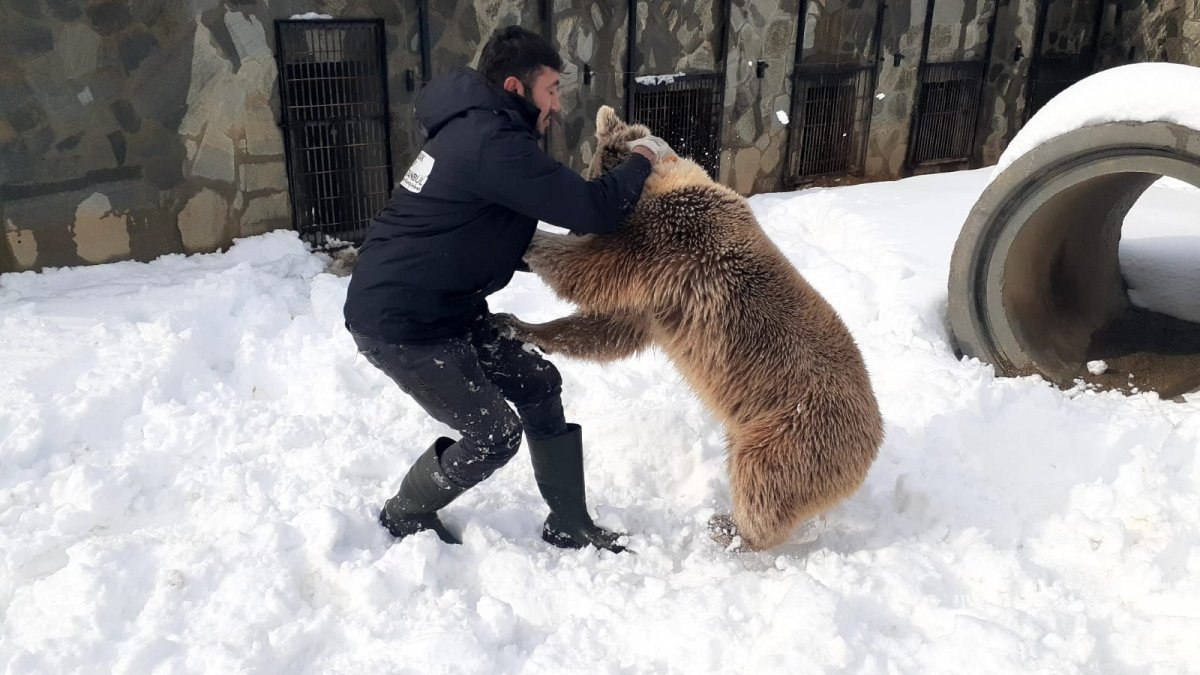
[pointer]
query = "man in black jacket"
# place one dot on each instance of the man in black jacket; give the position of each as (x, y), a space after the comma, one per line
(453, 234)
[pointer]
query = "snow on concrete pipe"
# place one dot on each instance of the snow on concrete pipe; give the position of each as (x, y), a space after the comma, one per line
(1035, 284)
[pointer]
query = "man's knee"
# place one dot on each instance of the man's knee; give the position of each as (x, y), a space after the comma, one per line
(542, 381)
(478, 455)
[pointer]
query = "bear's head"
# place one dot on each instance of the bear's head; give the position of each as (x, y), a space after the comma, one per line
(612, 134)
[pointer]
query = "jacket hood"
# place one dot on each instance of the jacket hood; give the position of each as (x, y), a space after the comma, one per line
(463, 90)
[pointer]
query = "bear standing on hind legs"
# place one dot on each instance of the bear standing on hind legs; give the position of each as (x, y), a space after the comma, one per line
(691, 271)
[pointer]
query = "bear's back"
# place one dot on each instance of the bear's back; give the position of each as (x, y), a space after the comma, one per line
(738, 315)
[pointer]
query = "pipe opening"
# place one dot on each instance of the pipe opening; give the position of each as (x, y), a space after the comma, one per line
(1071, 297)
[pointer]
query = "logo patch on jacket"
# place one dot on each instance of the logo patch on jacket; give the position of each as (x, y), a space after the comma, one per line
(418, 173)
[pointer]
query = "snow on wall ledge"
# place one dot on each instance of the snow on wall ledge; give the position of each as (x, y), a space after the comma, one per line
(1141, 92)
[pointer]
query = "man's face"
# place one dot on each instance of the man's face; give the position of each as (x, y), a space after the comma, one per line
(543, 93)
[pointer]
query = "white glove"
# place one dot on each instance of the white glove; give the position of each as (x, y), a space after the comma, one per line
(654, 144)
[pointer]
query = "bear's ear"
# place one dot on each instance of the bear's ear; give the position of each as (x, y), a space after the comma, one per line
(606, 122)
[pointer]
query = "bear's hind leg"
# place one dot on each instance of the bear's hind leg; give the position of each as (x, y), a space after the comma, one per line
(772, 484)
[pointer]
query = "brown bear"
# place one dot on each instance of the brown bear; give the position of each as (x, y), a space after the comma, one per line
(691, 271)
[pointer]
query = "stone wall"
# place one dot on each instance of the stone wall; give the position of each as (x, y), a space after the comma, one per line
(1004, 89)
(755, 134)
(1130, 31)
(130, 130)
(1151, 30)
(677, 36)
(896, 88)
(591, 38)
(458, 30)
(839, 31)
(959, 30)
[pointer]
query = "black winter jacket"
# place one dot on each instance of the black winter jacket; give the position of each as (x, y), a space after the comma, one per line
(465, 211)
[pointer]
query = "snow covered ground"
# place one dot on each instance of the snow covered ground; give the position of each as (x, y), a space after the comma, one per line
(192, 456)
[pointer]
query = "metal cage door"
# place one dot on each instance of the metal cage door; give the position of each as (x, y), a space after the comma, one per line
(686, 111)
(833, 80)
(333, 89)
(950, 94)
(1067, 39)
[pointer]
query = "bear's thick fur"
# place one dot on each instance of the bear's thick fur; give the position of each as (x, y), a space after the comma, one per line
(691, 271)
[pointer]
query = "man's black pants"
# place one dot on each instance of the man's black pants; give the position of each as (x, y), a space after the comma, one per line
(466, 383)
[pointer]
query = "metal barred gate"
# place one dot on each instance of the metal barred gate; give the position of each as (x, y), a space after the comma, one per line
(1067, 38)
(686, 111)
(685, 104)
(946, 113)
(950, 94)
(333, 90)
(833, 80)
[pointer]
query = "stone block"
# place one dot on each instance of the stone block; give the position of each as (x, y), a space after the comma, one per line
(214, 158)
(202, 222)
(266, 213)
(22, 244)
(109, 16)
(78, 50)
(263, 136)
(263, 176)
(100, 234)
(135, 48)
(248, 36)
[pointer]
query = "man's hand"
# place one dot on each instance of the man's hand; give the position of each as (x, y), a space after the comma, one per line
(652, 148)
(645, 152)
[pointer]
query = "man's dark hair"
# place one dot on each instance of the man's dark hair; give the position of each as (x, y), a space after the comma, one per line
(513, 51)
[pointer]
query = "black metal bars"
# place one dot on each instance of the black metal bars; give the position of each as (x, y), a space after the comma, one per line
(830, 114)
(686, 111)
(946, 113)
(336, 125)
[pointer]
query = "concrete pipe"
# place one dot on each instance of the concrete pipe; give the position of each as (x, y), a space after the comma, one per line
(1035, 285)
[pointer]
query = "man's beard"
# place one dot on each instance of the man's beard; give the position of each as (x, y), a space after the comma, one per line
(549, 116)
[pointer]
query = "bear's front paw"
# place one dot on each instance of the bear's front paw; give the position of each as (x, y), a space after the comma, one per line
(506, 324)
(513, 328)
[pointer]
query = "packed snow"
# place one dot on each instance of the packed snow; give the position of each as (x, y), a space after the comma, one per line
(193, 456)
(664, 78)
(1160, 254)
